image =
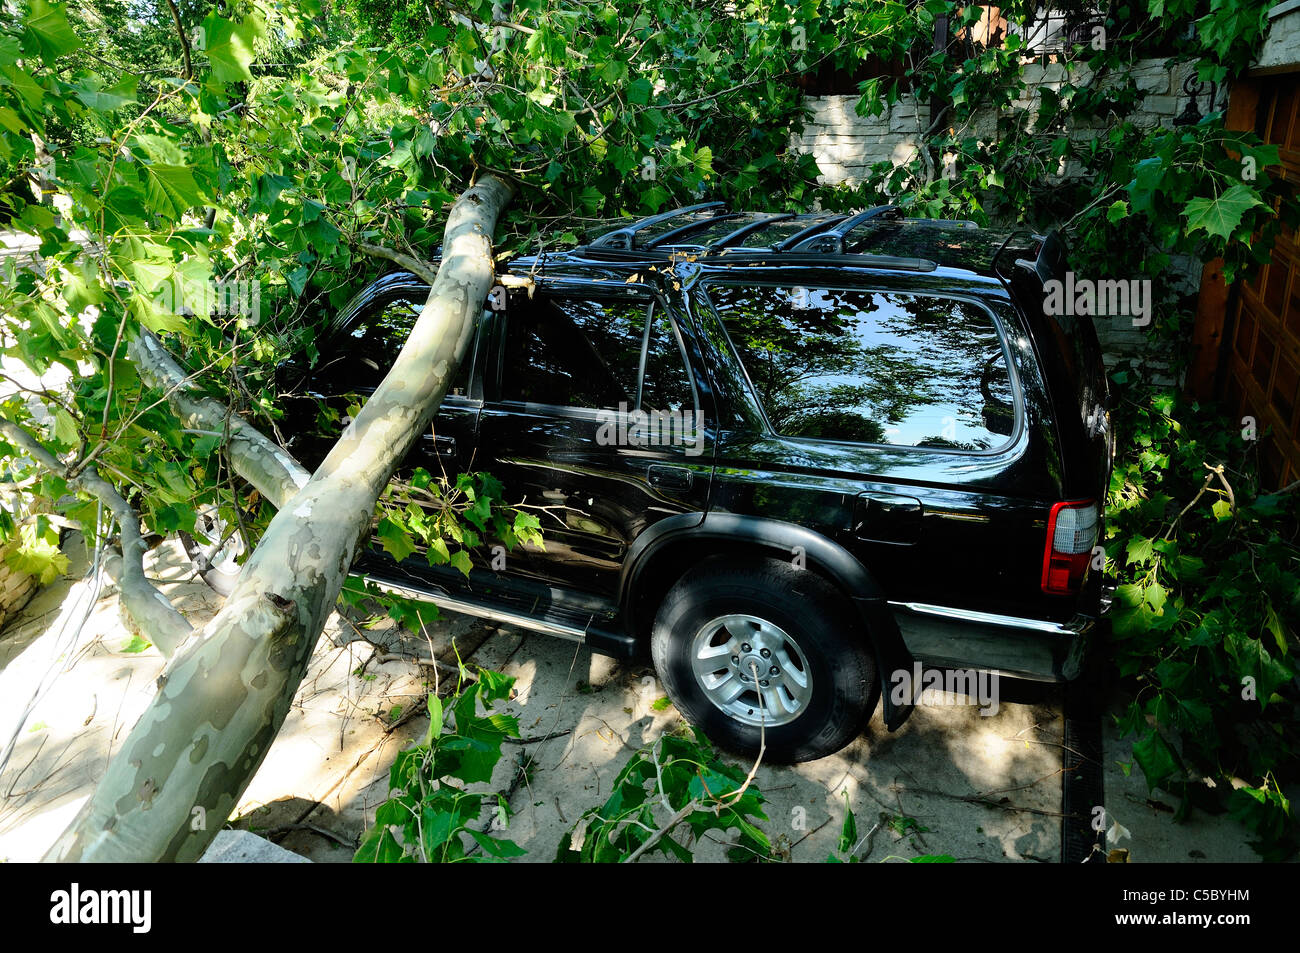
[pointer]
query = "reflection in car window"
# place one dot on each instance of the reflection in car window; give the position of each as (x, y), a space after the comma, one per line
(581, 353)
(373, 343)
(872, 367)
(667, 385)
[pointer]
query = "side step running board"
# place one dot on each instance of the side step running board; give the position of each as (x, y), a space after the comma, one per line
(617, 644)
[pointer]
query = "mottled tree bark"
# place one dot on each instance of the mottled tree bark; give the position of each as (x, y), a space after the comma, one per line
(271, 470)
(224, 695)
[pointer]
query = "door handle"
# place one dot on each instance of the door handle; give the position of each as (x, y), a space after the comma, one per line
(441, 445)
(670, 478)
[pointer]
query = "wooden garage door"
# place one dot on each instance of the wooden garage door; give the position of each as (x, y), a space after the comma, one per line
(1263, 367)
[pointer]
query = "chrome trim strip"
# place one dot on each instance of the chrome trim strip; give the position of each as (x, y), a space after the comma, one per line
(452, 604)
(1072, 628)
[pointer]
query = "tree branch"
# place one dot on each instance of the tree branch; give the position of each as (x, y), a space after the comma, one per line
(259, 460)
(157, 619)
(185, 40)
(413, 265)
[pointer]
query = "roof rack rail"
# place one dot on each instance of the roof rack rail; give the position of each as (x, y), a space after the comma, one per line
(668, 237)
(756, 226)
(833, 240)
(816, 228)
(625, 238)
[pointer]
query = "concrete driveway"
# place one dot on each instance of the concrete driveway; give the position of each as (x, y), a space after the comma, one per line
(950, 782)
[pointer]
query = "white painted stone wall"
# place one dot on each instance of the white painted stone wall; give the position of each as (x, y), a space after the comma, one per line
(1282, 45)
(847, 145)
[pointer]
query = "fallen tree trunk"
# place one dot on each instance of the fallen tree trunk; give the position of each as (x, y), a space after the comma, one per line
(224, 695)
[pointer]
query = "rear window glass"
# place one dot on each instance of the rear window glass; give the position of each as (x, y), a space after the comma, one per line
(871, 367)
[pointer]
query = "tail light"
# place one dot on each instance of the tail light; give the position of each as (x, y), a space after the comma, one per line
(1071, 533)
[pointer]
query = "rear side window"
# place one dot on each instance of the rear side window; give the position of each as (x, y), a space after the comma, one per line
(575, 352)
(871, 367)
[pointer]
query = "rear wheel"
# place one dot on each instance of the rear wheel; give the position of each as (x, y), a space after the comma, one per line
(762, 648)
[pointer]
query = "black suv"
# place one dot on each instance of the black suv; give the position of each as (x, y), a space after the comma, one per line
(787, 454)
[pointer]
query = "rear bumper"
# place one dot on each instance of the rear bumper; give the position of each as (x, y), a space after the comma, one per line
(1007, 645)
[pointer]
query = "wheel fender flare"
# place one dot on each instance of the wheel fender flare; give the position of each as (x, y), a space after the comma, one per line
(788, 539)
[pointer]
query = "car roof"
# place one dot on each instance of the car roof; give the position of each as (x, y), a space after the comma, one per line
(880, 237)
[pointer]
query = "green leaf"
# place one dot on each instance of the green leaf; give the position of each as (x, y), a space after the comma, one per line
(1220, 216)
(171, 189)
(1155, 596)
(1140, 550)
(638, 91)
(1156, 759)
(121, 93)
(395, 539)
(230, 47)
(460, 560)
(161, 149)
(65, 427)
(47, 25)
(38, 554)
(435, 719)
(379, 846)
(849, 829)
(154, 318)
(500, 849)
(1274, 624)
(438, 553)
(134, 645)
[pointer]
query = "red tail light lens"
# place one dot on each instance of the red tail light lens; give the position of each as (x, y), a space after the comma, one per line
(1071, 533)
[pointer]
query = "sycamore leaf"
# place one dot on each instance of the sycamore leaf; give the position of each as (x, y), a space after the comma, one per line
(1140, 550)
(1156, 759)
(638, 91)
(460, 559)
(172, 189)
(230, 47)
(1274, 625)
(65, 428)
(47, 26)
(113, 97)
(156, 319)
(1220, 216)
(395, 540)
(161, 149)
(134, 645)
(38, 554)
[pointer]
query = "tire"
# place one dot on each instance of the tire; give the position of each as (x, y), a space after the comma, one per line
(826, 685)
(218, 566)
